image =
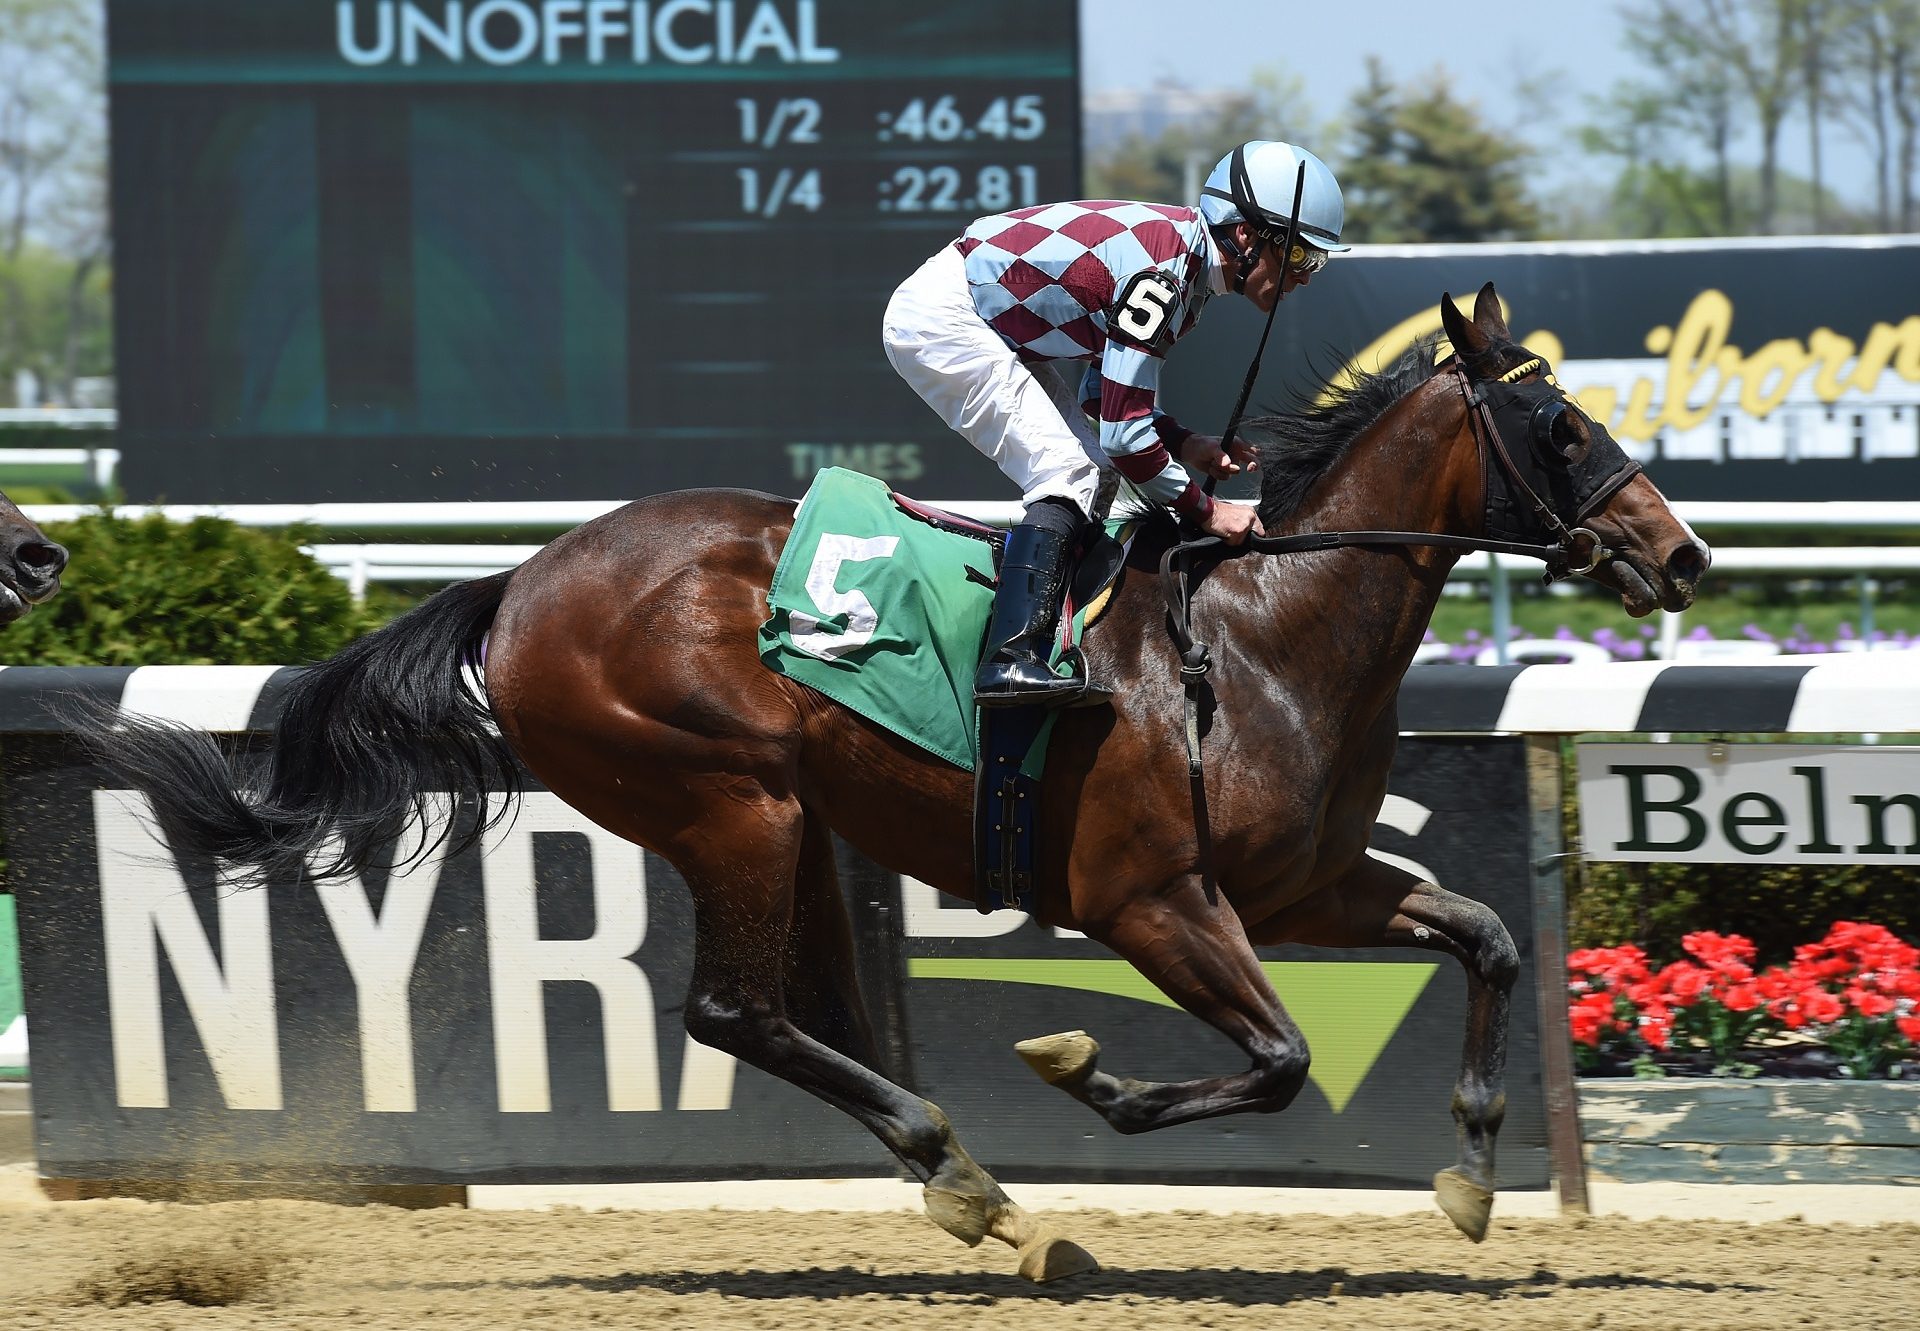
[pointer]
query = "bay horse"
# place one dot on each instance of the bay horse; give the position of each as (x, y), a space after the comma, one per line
(30, 564)
(620, 665)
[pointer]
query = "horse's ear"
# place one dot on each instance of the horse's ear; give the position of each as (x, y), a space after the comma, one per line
(1467, 339)
(1486, 313)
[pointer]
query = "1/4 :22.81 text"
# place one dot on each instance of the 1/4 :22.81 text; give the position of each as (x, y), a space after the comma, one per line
(945, 189)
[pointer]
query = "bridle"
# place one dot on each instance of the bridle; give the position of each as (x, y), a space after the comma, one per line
(1574, 550)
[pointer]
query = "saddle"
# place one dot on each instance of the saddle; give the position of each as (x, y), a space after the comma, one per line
(1012, 740)
(1095, 570)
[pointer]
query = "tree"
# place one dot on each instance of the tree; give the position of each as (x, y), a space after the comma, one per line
(1169, 166)
(1421, 165)
(1755, 46)
(1655, 192)
(52, 180)
(1692, 94)
(1874, 64)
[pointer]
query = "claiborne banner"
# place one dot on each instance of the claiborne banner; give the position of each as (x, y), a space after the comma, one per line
(1735, 369)
(1750, 803)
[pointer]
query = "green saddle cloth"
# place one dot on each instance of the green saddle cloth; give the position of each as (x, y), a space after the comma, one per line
(875, 609)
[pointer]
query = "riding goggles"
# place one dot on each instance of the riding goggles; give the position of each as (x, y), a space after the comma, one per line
(1303, 259)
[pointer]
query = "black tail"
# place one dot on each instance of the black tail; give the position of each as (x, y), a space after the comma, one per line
(370, 743)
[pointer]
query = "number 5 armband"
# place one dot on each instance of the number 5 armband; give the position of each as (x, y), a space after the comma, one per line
(1143, 313)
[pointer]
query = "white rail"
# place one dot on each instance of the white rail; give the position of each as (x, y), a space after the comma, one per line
(65, 418)
(101, 463)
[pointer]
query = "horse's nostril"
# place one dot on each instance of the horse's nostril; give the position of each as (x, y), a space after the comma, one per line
(1687, 563)
(42, 558)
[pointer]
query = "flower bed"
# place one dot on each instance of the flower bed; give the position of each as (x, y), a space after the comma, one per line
(1847, 1007)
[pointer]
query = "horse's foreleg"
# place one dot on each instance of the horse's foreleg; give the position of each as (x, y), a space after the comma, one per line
(755, 927)
(1196, 953)
(1379, 904)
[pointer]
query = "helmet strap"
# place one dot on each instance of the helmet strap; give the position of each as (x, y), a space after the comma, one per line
(1244, 261)
(1249, 260)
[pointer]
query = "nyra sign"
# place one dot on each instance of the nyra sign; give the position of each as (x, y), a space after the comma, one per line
(1750, 803)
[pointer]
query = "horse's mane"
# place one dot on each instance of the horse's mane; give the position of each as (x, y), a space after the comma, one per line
(1297, 448)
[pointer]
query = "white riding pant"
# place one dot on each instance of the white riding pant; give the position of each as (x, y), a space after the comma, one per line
(1027, 418)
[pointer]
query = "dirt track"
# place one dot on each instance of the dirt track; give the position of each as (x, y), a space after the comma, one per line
(296, 1264)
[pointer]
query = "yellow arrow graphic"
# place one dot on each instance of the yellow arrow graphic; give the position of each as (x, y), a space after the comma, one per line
(1348, 1010)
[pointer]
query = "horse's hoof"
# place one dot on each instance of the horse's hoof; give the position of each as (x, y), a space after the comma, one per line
(1466, 1203)
(1066, 1057)
(965, 1215)
(1051, 1257)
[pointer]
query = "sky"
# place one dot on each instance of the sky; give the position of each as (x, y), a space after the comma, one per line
(1575, 48)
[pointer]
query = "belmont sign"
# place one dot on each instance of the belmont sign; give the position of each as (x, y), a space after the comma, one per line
(1750, 803)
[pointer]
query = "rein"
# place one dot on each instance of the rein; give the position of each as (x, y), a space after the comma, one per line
(1195, 663)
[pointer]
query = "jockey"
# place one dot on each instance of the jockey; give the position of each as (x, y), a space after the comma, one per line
(984, 328)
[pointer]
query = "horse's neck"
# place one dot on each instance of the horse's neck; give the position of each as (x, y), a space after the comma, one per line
(1404, 473)
(1415, 470)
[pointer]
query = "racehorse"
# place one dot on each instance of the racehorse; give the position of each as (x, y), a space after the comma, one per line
(30, 564)
(619, 664)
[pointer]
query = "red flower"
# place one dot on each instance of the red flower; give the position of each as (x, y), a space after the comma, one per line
(1685, 981)
(1819, 1005)
(1741, 998)
(1585, 1024)
(1909, 1027)
(1719, 950)
(1814, 968)
(1868, 1003)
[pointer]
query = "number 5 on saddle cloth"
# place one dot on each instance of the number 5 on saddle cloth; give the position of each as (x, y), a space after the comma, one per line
(881, 604)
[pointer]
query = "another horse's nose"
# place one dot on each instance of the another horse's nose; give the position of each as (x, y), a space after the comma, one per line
(40, 563)
(44, 558)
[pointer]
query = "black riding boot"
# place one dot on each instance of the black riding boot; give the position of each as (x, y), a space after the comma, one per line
(1026, 611)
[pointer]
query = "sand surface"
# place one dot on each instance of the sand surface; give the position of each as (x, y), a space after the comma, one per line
(302, 1264)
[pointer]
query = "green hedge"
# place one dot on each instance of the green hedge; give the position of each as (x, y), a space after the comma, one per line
(146, 591)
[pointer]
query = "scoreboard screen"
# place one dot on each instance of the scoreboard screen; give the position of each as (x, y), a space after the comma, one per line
(567, 249)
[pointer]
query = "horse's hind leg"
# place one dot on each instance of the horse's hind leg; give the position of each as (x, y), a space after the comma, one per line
(1380, 905)
(822, 988)
(782, 916)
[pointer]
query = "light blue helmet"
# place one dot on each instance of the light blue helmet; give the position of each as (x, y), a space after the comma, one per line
(1254, 183)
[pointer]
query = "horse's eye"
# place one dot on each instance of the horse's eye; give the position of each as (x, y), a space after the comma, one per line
(1559, 429)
